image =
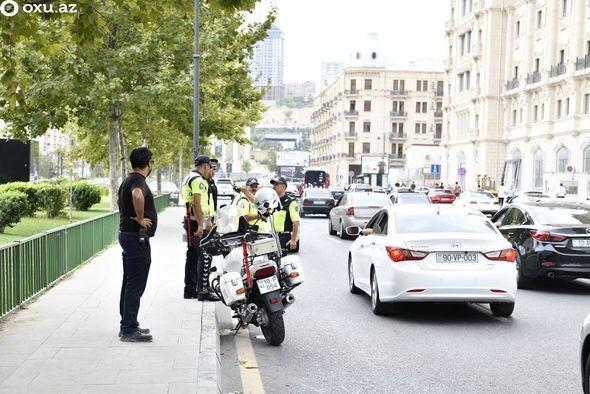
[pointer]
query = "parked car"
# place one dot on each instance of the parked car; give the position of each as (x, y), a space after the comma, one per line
(529, 196)
(552, 239)
(483, 201)
(316, 200)
(422, 189)
(403, 256)
(359, 187)
(292, 190)
(378, 189)
(337, 192)
(225, 187)
(437, 196)
(167, 187)
(585, 354)
(409, 198)
(355, 209)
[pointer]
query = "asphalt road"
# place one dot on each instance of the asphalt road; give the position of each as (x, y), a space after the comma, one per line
(334, 343)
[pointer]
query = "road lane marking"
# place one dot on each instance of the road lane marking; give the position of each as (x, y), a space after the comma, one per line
(488, 313)
(334, 240)
(249, 372)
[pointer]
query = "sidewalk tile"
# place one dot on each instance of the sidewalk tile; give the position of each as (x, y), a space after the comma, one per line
(161, 388)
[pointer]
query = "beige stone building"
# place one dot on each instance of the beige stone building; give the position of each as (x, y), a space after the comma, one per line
(518, 94)
(372, 110)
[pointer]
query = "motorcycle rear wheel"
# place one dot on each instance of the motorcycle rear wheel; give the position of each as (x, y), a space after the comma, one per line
(274, 330)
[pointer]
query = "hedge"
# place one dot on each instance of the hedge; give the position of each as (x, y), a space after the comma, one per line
(30, 190)
(13, 204)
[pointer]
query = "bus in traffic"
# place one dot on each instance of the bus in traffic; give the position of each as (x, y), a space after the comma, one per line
(316, 178)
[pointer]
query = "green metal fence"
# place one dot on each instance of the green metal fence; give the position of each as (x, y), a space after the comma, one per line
(35, 263)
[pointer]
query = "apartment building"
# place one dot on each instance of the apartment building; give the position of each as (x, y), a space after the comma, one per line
(372, 110)
(517, 109)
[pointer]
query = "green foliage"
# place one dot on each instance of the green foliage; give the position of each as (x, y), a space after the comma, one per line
(30, 190)
(272, 161)
(84, 195)
(246, 166)
(13, 204)
(52, 199)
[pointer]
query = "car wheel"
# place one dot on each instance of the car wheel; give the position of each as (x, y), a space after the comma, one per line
(586, 378)
(522, 281)
(331, 230)
(351, 286)
(503, 309)
(377, 306)
(342, 231)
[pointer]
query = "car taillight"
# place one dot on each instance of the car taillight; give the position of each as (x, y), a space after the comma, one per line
(502, 255)
(546, 236)
(350, 211)
(264, 272)
(398, 254)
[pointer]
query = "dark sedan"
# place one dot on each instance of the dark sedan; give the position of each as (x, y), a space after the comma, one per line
(552, 239)
(337, 192)
(315, 201)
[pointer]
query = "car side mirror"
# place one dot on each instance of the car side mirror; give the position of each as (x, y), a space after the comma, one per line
(353, 230)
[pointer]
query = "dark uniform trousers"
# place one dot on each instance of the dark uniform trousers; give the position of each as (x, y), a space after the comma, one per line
(136, 267)
(195, 279)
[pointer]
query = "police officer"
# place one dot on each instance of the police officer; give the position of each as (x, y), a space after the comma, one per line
(286, 221)
(246, 207)
(195, 192)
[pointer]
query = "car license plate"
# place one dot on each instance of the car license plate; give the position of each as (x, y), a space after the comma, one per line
(581, 243)
(318, 202)
(269, 284)
(453, 257)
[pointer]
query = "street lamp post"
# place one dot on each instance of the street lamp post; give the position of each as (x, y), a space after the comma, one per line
(196, 93)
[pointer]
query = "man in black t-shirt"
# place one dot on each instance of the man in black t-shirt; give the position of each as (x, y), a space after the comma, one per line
(138, 222)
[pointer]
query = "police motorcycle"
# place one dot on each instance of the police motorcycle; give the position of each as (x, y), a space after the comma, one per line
(258, 276)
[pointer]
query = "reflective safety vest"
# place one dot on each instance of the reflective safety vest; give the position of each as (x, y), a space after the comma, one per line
(245, 207)
(283, 219)
(195, 183)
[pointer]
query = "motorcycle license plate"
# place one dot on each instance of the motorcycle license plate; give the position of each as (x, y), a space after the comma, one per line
(269, 284)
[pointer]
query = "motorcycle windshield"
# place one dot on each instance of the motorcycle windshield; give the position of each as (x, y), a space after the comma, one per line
(227, 219)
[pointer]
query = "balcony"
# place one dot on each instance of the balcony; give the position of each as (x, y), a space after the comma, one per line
(582, 62)
(351, 92)
(438, 114)
(533, 77)
(351, 113)
(512, 84)
(398, 114)
(349, 156)
(350, 136)
(396, 136)
(557, 70)
(437, 138)
(399, 93)
(397, 156)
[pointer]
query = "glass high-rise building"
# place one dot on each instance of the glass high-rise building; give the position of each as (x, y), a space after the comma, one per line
(267, 68)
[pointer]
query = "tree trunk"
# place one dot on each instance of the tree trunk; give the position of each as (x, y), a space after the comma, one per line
(122, 146)
(113, 158)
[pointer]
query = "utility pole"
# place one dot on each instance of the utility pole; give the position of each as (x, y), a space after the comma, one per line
(196, 58)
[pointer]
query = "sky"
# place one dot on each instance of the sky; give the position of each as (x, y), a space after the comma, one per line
(327, 30)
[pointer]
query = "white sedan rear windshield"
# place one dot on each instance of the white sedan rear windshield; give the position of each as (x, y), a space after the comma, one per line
(430, 222)
(369, 199)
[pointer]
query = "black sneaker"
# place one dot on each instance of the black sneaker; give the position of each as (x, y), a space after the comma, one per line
(141, 330)
(208, 297)
(188, 294)
(136, 336)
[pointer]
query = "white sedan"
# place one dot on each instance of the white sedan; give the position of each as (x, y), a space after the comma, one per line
(432, 253)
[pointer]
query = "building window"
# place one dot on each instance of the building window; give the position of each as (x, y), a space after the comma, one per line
(567, 106)
(462, 44)
(517, 28)
(353, 85)
(352, 105)
(351, 127)
(520, 116)
(468, 42)
(424, 107)
(537, 64)
(561, 56)
(587, 103)
(367, 106)
(539, 19)
(460, 81)
(423, 128)
(367, 127)
(417, 128)
(587, 47)
(418, 107)
(535, 113)
(515, 72)
(563, 7)
(438, 132)
(368, 84)
(424, 86)
(467, 80)
(538, 169)
(366, 147)
(563, 156)
(419, 86)
(394, 128)
(587, 160)
(351, 149)
(399, 84)
(513, 117)
(542, 111)
(559, 109)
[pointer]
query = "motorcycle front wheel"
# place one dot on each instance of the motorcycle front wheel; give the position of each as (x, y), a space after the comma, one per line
(274, 329)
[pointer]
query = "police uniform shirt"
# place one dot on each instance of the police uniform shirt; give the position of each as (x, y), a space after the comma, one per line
(245, 207)
(198, 185)
(284, 218)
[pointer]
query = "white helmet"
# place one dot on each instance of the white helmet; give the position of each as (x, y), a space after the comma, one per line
(266, 202)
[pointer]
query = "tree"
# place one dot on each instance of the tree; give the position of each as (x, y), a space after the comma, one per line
(119, 71)
(272, 161)
(246, 166)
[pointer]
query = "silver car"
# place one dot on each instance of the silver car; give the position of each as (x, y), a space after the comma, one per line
(355, 209)
(483, 201)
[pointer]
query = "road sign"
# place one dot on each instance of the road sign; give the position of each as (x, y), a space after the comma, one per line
(350, 173)
(461, 171)
(435, 168)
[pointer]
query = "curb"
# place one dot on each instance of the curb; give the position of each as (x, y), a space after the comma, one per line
(209, 363)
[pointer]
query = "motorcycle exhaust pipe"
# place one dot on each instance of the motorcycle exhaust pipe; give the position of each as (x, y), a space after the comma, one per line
(249, 313)
(288, 300)
(551, 275)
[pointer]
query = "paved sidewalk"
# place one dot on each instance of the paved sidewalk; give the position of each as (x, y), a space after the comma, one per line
(67, 341)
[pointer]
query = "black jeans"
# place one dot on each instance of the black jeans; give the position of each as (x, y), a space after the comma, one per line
(136, 267)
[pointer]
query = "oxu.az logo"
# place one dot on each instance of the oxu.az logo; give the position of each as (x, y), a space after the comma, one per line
(11, 8)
